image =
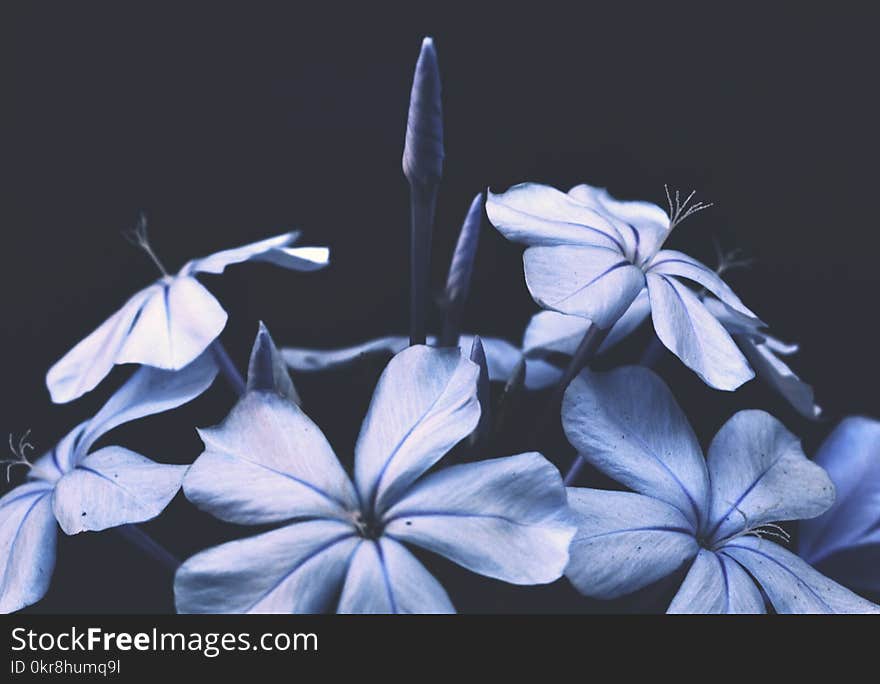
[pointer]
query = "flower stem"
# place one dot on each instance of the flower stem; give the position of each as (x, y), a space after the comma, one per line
(652, 354)
(423, 199)
(585, 352)
(150, 546)
(227, 367)
(574, 471)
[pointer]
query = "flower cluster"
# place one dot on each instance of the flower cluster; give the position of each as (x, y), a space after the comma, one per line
(425, 479)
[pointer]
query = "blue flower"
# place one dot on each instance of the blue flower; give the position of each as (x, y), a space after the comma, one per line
(344, 542)
(712, 514)
(172, 321)
(502, 358)
(550, 332)
(844, 542)
(591, 255)
(83, 490)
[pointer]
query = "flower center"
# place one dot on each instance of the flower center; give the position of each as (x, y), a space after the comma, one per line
(367, 526)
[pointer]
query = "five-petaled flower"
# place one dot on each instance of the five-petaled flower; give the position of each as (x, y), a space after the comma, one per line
(713, 513)
(343, 546)
(593, 256)
(844, 542)
(172, 321)
(83, 490)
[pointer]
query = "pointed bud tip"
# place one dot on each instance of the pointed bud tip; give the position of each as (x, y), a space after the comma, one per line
(423, 150)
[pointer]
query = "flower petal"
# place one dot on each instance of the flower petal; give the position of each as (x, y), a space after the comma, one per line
(791, 584)
(83, 367)
(27, 545)
(672, 263)
(147, 392)
(267, 462)
(275, 250)
(424, 404)
(536, 214)
(717, 584)
(541, 374)
(690, 332)
(504, 518)
(114, 486)
(628, 425)
(649, 222)
(593, 282)
(301, 359)
(759, 474)
(177, 323)
(851, 456)
(625, 541)
(776, 373)
(386, 578)
(295, 569)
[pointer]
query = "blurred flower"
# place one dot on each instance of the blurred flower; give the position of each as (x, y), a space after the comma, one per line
(550, 332)
(844, 542)
(172, 321)
(344, 545)
(591, 255)
(83, 490)
(713, 514)
(502, 358)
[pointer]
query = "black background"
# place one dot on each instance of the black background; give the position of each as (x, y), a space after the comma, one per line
(231, 124)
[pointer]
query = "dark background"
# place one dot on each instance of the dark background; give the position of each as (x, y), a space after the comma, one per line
(229, 125)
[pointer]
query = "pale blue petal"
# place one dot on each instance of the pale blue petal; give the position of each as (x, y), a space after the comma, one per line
(267, 462)
(648, 224)
(114, 486)
(301, 359)
(671, 263)
(61, 458)
(83, 367)
(275, 250)
(627, 424)
(625, 541)
(554, 332)
(267, 370)
(386, 578)
(424, 404)
(504, 518)
(851, 456)
(737, 323)
(776, 373)
(690, 332)
(295, 569)
(557, 333)
(176, 324)
(541, 374)
(759, 474)
(593, 282)
(791, 584)
(27, 545)
(536, 214)
(147, 392)
(717, 584)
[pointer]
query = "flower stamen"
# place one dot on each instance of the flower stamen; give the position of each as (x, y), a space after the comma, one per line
(680, 210)
(138, 237)
(20, 452)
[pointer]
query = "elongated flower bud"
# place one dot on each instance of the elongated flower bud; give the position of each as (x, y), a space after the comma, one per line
(458, 282)
(423, 150)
